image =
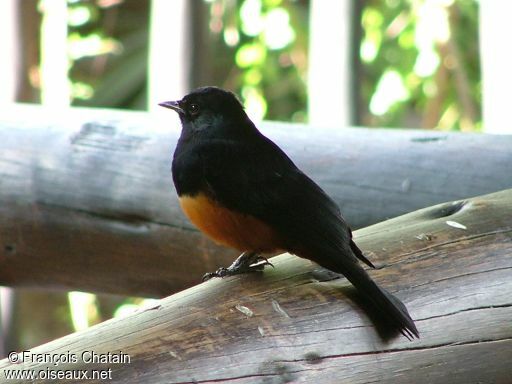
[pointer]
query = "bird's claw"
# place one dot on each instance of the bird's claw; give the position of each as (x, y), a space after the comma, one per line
(247, 262)
(261, 262)
(221, 272)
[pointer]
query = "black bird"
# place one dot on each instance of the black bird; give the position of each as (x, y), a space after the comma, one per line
(243, 191)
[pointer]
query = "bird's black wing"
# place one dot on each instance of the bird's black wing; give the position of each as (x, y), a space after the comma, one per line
(258, 179)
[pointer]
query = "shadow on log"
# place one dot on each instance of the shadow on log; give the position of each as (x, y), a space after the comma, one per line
(87, 201)
(450, 264)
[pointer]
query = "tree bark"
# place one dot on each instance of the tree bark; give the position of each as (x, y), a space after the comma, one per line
(450, 264)
(87, 201)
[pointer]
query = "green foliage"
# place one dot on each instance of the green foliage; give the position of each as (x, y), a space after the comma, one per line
(419, 59)
(108, 43)
(420, 64)
(259, 51)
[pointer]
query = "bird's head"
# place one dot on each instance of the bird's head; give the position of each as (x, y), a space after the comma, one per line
(211, 111)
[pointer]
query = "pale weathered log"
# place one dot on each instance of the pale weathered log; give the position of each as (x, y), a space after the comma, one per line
(450, 264)
(87, 201)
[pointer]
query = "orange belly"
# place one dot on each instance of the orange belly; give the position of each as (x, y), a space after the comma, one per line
(230, 228)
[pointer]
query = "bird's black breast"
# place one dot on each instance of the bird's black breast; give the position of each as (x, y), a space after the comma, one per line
(187, 170)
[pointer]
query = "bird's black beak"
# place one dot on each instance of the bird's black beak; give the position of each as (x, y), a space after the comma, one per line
(175, 105)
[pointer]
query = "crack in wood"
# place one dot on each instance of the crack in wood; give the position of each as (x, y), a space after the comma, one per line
(220, 380)
(285, 375)
(427, 139)
(125, 218)
(455, 277)
(400, 350)
(465, 310)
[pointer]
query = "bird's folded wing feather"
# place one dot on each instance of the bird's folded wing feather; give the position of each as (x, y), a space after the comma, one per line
(260, 180)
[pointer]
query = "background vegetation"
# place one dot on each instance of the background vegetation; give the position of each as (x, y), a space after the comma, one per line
(417, 61)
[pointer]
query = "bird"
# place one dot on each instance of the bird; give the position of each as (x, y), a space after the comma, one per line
(242, 190)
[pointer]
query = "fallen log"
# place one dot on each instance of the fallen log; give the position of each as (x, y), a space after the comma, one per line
(450, 264)
(87, 201)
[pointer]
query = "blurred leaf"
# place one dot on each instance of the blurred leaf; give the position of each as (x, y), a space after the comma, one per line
(433, 46)
(250, 54)
(109, 54)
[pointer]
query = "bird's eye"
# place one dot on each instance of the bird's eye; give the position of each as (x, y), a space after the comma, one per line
(193, 109)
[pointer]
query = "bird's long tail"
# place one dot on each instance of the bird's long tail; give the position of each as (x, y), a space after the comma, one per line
(390, 306)
(345, 260)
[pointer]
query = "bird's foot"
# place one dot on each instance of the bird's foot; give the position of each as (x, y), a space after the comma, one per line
(246, 262)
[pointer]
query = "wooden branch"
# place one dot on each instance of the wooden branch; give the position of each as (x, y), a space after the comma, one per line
(450, 264)
(87, 201)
